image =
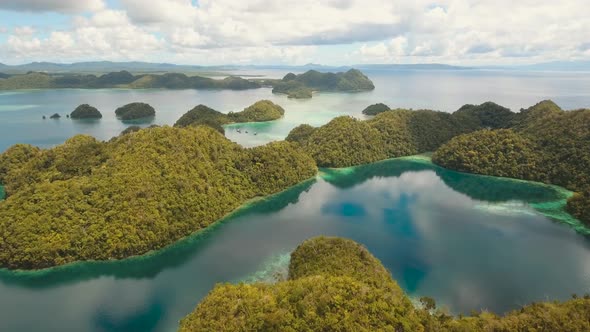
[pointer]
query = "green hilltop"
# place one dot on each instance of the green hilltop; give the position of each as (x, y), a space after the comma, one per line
(302, 85)
(336, 284)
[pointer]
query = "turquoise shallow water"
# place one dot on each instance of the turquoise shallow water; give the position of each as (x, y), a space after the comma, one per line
(471, 242)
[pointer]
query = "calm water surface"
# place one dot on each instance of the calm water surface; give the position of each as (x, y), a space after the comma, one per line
(21, 111)
(471, 242)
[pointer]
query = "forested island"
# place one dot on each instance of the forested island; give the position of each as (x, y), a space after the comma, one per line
(335, 284)
(134, 111)
(260, 111)
(85, 111)
(295, 86)
(302, 85)
(92, 200)
(542, 143)
(376, 109)
(122, 79)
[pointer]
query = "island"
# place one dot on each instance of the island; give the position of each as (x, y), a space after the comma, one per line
(336, 284)
(542, 143)
(134, 111)
(55, 116)
(122, 79)
(260, 111)
(302, 85)
(376, 109)
(136, 193)
(86, 111)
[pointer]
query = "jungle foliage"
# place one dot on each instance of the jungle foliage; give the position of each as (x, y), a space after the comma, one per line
(360, 296)
(91, 200)
(335, 284)
(345, 141)
(545, 144)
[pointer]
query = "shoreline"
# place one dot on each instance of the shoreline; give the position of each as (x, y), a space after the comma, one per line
(551, 209)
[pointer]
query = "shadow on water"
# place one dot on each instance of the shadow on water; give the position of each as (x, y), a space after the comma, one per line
(149, 265)
(479, 187)
(140, 121)
(146, 319)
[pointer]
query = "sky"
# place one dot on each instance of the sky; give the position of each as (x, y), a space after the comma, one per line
(295, 32)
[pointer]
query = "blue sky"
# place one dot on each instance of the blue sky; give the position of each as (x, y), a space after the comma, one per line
(335, 32)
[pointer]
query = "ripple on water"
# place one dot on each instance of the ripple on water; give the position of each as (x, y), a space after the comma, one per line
(14, 108)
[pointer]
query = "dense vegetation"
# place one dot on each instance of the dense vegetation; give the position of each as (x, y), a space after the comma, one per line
(134, 111)
(545, 144)
(541, 143)
(491, 152)
(86, 111)
(122, 79)
(263, 110)
(337, 285)
(375, 109)
(302, 85)
(91, 200)
(346, 142)
(487, 115)
(334, 285)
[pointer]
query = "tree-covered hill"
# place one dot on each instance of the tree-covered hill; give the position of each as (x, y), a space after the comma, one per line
(122, 79)
(335, 284)
(545, 144)
(376, 109)
(134, 111)
(345, 141)
(395, 133)
(86, 111)
(91, 200)
(262, 110)
(301, 86)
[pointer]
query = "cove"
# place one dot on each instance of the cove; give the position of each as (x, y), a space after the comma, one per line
(471, 242)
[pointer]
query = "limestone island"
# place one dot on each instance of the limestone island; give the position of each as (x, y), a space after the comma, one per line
(376, 109)
(302, 85)
(86, 111)
(336, 284)
(135, 111)
(133, 194)
(55, 116)
(122, 79)
(262, 110)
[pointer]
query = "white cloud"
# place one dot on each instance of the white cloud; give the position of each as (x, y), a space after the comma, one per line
(453, 31)
(108, 34)
(67, 6)
(24, 30)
